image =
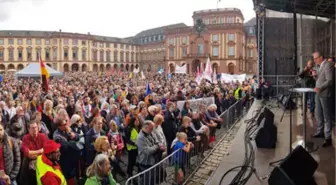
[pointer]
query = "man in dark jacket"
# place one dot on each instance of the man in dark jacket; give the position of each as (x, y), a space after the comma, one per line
(70, 152)
(170, 125)
(10, 157)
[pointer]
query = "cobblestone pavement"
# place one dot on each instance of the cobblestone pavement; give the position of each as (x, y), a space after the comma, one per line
(206, 169)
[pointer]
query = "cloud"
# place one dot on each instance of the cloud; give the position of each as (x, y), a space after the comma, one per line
(7, 7)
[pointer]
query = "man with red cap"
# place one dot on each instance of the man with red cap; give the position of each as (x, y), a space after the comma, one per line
(48, 171)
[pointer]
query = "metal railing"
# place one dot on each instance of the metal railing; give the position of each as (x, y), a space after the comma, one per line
(179, 166)
(281, 83)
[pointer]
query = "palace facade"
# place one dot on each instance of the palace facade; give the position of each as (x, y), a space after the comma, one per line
(219, 34)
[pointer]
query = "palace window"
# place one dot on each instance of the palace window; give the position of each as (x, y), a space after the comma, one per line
(121, 56)
(94, 56)
(215, 51)
(54, 53)
(215, 38)
(66, 41)
(20, 54)
(1, 54)
(115, 56)
(231, 37)
(29, 42)
(221, 20)
(115, 45)
(1, 42)
(101, 56)
(101, 45)
(47, 54)
(231, 51)
(132, 57)
(10, 41)
(38, 41)
(83, 43)
(108, 57)
(214, 20)
(66, 53)
(38, 53)
(54, 41)
(74, 42)
(83, 55)
(184, 51)
(19, 41)
(171, 52)
(127, 56)
(74, 54)
(230, 20)
(251, 30)
(29, 54)
(184, 40)
(171, 41)
(121, 46)
(107, 45)
(47, 42)
(250, 52)
(200, 49)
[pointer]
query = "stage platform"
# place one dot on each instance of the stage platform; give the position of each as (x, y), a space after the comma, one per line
(325, 174)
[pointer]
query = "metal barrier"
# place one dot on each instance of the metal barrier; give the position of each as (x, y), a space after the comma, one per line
(281, 83)
(180, 165)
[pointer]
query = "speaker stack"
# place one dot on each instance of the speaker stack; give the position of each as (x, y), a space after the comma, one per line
(266, 136)
(297, 168)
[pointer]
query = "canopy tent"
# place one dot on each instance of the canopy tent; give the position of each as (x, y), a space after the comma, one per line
(33, 71)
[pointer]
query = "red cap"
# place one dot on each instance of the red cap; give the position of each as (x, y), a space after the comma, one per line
(50, 146)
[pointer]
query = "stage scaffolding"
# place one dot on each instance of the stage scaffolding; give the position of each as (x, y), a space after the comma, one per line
(289, 32)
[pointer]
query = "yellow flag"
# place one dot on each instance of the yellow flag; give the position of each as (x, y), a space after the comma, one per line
(131, 75)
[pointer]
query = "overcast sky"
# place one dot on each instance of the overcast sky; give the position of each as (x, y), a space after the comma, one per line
(119, 18)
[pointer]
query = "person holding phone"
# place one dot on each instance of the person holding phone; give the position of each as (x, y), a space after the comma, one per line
(309, 75)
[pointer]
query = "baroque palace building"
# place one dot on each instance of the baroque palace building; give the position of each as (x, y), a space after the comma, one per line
(219, 34)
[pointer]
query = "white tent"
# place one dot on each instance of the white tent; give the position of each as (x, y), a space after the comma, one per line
(33, 70)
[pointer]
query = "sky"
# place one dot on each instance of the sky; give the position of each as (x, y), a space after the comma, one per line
(117, 18)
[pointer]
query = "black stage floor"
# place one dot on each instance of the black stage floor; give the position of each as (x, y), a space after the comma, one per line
(325, 174)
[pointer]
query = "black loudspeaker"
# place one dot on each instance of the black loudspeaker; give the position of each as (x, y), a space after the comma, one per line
(258, 94)
(266, 136)
(297, 168)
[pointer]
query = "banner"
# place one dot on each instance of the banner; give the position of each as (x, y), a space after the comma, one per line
(233, 78)
(195, 103)
(181, 70)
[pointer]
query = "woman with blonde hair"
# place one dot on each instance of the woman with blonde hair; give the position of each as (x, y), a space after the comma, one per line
(99, 172)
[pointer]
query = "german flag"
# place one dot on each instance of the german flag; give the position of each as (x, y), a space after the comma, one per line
(44, 76)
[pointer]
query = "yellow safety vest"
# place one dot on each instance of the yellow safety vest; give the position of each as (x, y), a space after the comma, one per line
(236, 94)
(133, 137)
(42, 169)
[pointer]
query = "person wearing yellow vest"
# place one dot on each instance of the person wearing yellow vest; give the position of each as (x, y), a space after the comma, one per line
(48, 171)
(238, 93)
(132, 132)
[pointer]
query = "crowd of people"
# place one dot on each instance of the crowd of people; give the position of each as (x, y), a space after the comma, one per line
(80, 129)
